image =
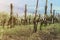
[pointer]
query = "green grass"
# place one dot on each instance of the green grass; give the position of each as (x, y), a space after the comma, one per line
(28, 27)
(26, 30)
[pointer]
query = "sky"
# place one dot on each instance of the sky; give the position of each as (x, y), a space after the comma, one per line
(18, 5)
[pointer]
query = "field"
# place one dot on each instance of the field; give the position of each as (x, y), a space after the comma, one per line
(25, 32)
(27, 20)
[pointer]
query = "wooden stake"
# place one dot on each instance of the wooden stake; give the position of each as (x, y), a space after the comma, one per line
(45, 15)
(36, 8)
(25, 13)
(51, 9)
(11, 15)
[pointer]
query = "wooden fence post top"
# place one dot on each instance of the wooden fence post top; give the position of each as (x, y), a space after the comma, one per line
(25, 4)
(51, 4)
(11, 5)
(25, 7)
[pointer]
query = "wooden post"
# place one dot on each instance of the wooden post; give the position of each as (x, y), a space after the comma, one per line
(35, 25)
(53, 13)
(34, 21)
(53, 16)
(25, 10)
(36, 8)
(29, 19)
(45, 10)
(25, 13)
(51, 9)
(45, 14)
(46, 7)
(11, 14)
(11, 9)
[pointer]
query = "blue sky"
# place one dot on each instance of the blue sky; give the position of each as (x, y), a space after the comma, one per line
(19, 5)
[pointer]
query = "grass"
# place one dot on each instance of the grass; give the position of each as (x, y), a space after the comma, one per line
(25, 32)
